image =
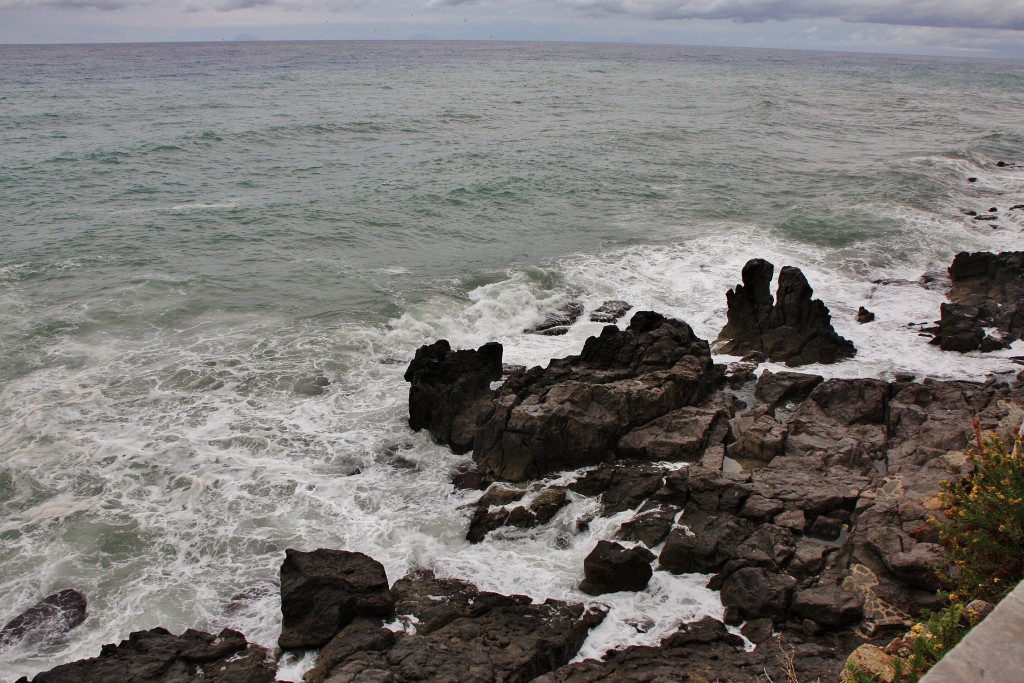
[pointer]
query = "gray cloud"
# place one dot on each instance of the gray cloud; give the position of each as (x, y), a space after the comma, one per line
(1001, 14)
(189, 6)
(70, 4)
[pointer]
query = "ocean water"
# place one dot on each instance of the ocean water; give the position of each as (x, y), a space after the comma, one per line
(191, 235)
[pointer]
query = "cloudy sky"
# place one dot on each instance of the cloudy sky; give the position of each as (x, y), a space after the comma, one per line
(982, 28)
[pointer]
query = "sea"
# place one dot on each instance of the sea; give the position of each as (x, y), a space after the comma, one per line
(217, 259)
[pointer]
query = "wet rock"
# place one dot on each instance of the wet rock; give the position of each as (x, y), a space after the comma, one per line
(620, 488)
(464, 634)
(650, 526)
(325, 590)
(362, 635)
(159, 656)
(864, 315)
(758, 593)
(610, 311)
(540, 510)
(994, 284)
(450, 389)
(959, 328)
(573, 413)
(46, 622)
(985, 217)
(702, 651)
(703, 543)
(794, 328)
(610, 568)
(757, 630)
(681, 435)
(557, 322)
(740, 373)
(779, 388)
(756, 435)
(829, 606)
(469, 477)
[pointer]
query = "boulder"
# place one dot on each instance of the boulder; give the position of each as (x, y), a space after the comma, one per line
(829, 606)
(864, 315)
(780, 388)
(574, 412)
(450, 389)
(610, 311)
(161, 657)
(756, 593)
(610, 568)
(794, 328)
(47, 621)
(557, 322)
(323, 591)
(960, 328)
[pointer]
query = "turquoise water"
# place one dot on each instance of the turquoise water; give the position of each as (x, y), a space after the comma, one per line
(192, 234)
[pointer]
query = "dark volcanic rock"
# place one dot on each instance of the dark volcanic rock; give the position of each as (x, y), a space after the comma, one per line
(159, 656)
(959, 328)
(794, 329)
(47, 621)
(557, 322)
(610, 568)
(756, 593)
(463, 634)
(829, 606)
(778, 388)
(705, 651)
(540, 510)
(864, 315)
(324, 590)
(994, 283)
(574, 412)
(450, 389)
(610, 311)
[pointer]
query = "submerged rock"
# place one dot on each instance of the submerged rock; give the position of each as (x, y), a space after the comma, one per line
(793, 328)
(610, 311)
(557, 322)
(159, 656)
(46, 622)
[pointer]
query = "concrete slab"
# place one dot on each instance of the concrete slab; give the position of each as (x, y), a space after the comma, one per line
(993, 652)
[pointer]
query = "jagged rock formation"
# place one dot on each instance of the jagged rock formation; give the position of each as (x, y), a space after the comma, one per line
(794, 328)
(987, 292)
(323, 591)
(575, 411)
(460, 634)
(449, 389)
(159, 656)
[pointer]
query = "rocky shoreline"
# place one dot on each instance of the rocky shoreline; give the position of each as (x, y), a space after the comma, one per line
(808, 500)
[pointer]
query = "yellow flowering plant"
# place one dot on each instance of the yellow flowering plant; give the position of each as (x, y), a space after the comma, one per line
(984, 533)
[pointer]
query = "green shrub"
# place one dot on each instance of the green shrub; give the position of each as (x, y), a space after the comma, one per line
(984, 542)
(984, 535)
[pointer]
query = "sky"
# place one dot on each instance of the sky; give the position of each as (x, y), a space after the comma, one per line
(979, 28)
